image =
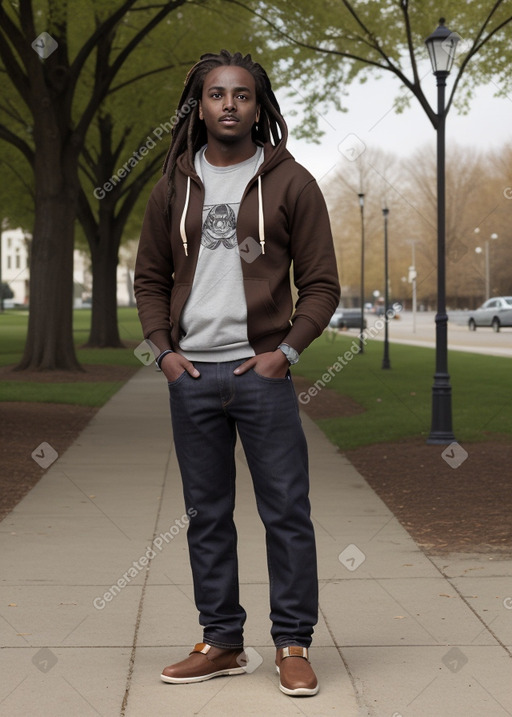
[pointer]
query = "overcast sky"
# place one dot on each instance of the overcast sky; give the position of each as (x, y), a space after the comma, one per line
(371, 121)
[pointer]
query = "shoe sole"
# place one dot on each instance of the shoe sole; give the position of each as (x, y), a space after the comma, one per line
(299, 691)
(202, 678)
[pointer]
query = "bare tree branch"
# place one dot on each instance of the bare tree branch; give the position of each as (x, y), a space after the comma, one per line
(148, 74)
(22, 179)
(103, 79)
(13, 113)
(147, 7)
(85, 168)
(133, 191)
(388, 65)
(12, 66)
(85, 214)
(104, 29)
(476, 47)
(9, 136)
(404, 6)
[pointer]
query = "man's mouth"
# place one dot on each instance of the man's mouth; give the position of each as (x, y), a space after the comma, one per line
(229, 119)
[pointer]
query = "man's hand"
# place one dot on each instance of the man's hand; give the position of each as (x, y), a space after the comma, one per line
(174, 364)
(271, 364)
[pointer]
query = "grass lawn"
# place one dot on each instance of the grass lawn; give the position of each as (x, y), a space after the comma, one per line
(90, 393)
(397, 401)
(13, 327)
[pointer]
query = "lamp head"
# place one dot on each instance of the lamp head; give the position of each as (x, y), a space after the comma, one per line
(441, 46)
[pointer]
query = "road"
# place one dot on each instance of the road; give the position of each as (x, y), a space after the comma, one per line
(421, 332)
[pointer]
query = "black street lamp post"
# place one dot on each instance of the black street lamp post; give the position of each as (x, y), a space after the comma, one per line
(361, 205)
(441, 45)
(385, 358)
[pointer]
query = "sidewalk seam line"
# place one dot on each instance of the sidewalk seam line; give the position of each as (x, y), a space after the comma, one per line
(475, 613)
(357, 693)
(131, 664)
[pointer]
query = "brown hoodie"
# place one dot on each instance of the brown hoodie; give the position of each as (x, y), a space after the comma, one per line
(282, 220)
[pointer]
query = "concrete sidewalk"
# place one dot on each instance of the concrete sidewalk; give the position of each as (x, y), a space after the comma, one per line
(96, 594)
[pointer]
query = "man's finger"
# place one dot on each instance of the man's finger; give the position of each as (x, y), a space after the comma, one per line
(192, 370)
(245, 366)
(189, 367)
(181, 361)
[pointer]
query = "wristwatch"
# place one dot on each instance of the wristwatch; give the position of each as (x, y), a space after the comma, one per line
(290, 353)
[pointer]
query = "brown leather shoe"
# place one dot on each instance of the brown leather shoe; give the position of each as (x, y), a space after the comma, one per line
(296, 674)
(205, 662)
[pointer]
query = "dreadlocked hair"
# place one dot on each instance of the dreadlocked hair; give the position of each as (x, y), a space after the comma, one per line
(189, 132)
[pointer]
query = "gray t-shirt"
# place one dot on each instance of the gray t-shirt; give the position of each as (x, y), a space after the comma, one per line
(214, 319)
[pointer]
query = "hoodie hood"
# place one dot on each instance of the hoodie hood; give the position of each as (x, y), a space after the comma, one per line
(273, 155)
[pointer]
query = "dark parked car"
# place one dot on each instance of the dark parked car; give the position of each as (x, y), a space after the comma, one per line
(346, 319)
(496, 312)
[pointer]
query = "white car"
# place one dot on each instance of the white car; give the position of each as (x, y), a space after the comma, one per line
(495, 312)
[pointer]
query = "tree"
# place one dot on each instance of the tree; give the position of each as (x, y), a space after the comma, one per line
(466, 180)
(477, 198)
(61, 79)
(338, 42)
(124, 149)
(496, 219)
(326, 46)
(373, 173)
(104, 229)
(126, 144)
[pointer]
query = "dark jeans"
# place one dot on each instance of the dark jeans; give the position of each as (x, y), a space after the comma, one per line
(205, 415)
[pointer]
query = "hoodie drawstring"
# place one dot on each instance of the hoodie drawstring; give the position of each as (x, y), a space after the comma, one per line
(261, 223)
(183, 231)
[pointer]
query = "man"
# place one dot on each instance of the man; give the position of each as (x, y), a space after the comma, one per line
(224, 224)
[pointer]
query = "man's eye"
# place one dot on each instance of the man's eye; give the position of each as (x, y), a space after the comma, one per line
(242, 97)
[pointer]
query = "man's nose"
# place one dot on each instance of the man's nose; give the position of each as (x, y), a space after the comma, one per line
(229, 104)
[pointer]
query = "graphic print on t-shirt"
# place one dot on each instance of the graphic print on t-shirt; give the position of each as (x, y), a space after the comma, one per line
(219, 227)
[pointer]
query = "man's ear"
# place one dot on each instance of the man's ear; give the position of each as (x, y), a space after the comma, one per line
(200, 110)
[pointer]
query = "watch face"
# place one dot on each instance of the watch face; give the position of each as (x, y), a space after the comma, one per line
(290, 353)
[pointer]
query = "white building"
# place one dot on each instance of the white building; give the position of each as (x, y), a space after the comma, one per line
(16, 273)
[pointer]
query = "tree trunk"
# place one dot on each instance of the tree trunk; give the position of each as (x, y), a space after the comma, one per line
(49, 344)
(104, 256)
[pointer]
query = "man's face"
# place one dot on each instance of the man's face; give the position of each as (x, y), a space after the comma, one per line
(228, 105)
